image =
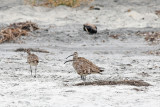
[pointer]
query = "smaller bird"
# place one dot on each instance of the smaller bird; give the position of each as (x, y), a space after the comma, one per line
(83, 66)
(33, 60)
(90, 28)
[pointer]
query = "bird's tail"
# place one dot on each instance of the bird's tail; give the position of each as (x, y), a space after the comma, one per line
(101, 70)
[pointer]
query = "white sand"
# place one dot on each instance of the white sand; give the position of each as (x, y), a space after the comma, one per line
(112, 14)
(53, 86)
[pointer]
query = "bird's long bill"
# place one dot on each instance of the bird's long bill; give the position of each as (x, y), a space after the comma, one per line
(69, 56)
(68, 61)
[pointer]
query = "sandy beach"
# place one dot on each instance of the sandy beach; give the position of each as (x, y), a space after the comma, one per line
(126, 56)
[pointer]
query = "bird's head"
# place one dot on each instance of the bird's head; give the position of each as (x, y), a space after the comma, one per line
(28, 51)
(75, 55)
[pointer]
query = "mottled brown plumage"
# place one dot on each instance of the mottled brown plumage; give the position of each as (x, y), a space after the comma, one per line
(33, 60)
(83, 66)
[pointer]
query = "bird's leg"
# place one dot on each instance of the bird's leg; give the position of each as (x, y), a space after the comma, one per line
(31, 70)
(84, 79)
(35, 71)
(81, 77)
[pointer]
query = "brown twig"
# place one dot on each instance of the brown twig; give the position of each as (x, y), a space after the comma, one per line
(31, 49)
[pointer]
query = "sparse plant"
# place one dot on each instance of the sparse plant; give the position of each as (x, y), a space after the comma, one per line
(51, 3)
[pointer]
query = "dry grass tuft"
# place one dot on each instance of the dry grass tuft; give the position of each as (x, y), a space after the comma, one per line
(153, 37)
(9, 34)
(16, 30)
(51, 3)
(125, 82)
(28, 26)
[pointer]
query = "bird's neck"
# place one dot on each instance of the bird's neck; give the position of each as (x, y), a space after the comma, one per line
(29, 53)
(75, 58)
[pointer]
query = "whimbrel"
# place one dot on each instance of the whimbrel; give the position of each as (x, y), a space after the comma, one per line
(83, 66)
(90, 28)
(33, 60)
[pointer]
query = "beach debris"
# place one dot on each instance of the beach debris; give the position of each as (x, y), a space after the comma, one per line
(28, 26)
(90, 28)
(129, 10)
(136, 89)
(150, 36)
(115, 36)
(93, 8)
(84, 67)
(31, 49)
(121, 82)
(16, 30)
(9, 34)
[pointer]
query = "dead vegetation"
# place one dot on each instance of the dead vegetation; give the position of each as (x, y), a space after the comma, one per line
(116, 36)
(153, 37)
(31, 49)
(129, 10)
(16, 30)
(153, 52)
(55, 3)
(28, 26)
(124, 82)
(157, 12)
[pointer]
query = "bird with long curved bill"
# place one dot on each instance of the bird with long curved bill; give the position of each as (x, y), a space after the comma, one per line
(83, 66)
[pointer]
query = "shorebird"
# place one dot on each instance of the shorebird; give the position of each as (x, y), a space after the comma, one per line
(33, 60)
(90, 28)
(83, 66)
